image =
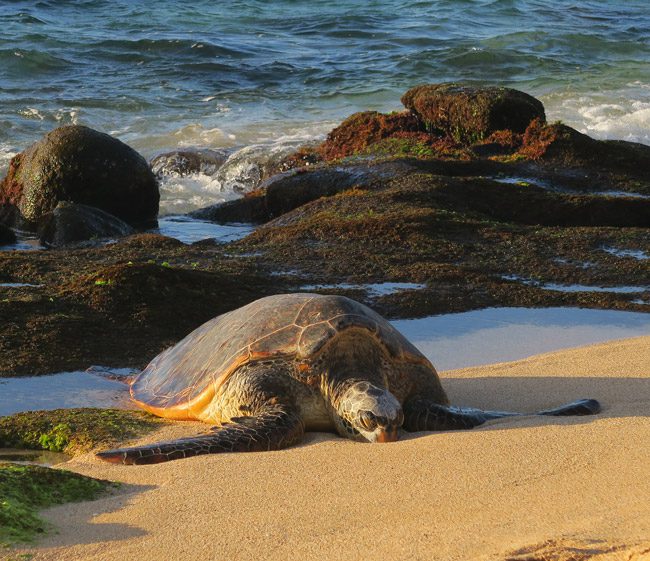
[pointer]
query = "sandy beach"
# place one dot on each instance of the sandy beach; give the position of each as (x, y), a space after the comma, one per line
(527, 488)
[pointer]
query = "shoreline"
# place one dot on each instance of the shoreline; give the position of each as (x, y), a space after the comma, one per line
(515, 488)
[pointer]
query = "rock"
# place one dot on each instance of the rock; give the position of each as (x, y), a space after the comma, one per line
(10, 216)
(244, 170)
(361, 130)
(7, 235)
(282, 193)
(70, 223)
(181, 163)
(81, 165)
(149, 240)
(469, 113)
(251, 209)
(562, 145)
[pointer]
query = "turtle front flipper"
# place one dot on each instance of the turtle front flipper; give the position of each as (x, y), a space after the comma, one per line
(273, 428)
(422, 414)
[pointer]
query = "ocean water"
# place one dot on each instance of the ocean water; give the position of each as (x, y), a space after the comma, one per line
(162, 75)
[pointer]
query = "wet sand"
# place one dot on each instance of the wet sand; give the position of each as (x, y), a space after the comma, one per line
(528, 488)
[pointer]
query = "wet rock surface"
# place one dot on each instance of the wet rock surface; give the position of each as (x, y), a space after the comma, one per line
(181, 163)
(468, 113)
(7, 235)
(533, 219)
(71, 223)
(81, 165)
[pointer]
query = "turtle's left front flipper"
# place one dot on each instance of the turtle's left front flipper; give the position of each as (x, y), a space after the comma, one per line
(271, 429)
(422, 414)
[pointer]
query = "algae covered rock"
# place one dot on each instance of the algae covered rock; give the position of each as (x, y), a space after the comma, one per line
(71, 223)
(361, 130)
(73, 431)
(470, 113)
(561, 145)
(81, 165)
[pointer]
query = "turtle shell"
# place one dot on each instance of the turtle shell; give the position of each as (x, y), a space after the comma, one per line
(181, 381)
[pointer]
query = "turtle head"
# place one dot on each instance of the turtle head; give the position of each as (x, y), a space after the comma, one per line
(368, 412)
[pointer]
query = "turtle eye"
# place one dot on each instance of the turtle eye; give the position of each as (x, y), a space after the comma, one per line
(368, 420)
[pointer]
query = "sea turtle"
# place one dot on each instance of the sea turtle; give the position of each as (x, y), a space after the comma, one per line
(284, 364)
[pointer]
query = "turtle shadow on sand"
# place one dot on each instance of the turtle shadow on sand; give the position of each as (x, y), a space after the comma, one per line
(619, 397)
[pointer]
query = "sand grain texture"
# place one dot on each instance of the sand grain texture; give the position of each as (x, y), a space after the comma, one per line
(524, 489)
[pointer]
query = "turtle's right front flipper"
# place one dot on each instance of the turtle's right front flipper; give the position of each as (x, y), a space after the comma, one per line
(422, 414)
(274, 428)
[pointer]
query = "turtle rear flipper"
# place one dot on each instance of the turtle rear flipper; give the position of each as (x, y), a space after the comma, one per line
(421, 414)
(271, 429)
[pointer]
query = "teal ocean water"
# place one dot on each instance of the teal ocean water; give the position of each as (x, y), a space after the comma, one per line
(164, 74)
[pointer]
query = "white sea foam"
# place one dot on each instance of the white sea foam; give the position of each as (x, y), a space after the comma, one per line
(242, 172)
(31, 113)
(179, 195)
(6, 153)
(621, 114)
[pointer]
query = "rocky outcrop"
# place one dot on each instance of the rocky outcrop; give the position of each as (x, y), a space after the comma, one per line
(7, 235)
(81, 165)
(560, 144)
(468, 113)
(281, 194)
(71, 223)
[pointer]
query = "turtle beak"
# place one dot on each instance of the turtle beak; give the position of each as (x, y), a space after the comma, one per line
(387, 435)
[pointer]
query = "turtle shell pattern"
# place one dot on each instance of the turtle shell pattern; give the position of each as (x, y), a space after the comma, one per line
(181, 381)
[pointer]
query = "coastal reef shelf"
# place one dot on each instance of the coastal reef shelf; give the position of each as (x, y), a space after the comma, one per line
(469, 199)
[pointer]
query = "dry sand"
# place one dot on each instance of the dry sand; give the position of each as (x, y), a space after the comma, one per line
(529, 488)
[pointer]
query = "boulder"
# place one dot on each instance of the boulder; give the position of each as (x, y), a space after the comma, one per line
(246, 168)
(561, 145)
(71, 223)
(469, 113)
(181, 163)
(81, 165)
(282, 193)
(7, 235)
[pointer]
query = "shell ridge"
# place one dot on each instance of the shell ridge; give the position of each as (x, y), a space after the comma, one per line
(295, 319)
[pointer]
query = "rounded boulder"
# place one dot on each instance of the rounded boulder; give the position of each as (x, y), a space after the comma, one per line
(81, 165)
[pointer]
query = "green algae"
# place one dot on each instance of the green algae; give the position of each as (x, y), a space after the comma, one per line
(26, 489)
(73, 431)
(400, 147)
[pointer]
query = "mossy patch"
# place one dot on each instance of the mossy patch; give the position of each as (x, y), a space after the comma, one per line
(74, 431)
(360, 130)
(26, 489)
(469, 114)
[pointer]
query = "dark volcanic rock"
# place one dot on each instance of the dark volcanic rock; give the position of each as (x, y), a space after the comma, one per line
(81, 165)
(185, 162)
(282, 193)
(7, 235)
(468, 113)
(70, 223)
